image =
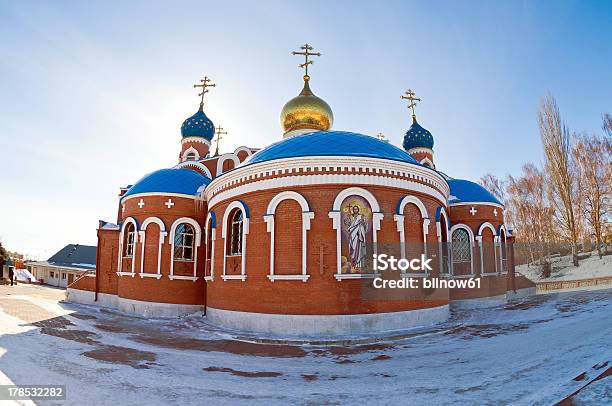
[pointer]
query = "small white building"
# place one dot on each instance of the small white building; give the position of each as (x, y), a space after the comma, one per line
(65, 266)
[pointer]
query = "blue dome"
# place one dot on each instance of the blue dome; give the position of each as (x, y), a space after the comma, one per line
(331, 143)
(464, 191)
(418, 137)
(198, 125)
(175, 180)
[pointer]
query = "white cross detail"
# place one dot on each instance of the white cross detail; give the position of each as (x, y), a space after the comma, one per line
(473, 211)
(123, 208)
(169, 203)
(495, 212)
(141, 203)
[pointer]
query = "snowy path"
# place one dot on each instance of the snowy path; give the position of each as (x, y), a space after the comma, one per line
(528, 352)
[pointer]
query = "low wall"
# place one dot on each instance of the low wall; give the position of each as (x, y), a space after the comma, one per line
(574, 284)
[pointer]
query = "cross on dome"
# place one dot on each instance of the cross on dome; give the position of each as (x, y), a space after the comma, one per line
(410, 96)
(219, 132)
(306, 48)
(204, 84)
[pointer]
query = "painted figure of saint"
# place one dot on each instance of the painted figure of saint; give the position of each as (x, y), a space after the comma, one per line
(357, 228)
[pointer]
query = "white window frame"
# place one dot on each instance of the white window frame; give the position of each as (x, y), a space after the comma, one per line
(198, 237)
(237, 204)
(212, 236)
(336, 215)
(471, 236)
(162, 237)
(120, 272)
(307, 216)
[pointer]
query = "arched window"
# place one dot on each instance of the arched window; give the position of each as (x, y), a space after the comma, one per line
(129, 241)
(184, 239)
(235, 226)
(461, 247)
(190, 156)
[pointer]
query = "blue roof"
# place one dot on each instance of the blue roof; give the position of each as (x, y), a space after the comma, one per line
(331, 143)
(464, 191)
(198, 125)
(175, 180)
(418, 137)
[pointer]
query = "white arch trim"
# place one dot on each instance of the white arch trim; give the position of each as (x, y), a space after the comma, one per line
(128, 220)
(336, 216)
(224, 158)
(198, 165)
(307, 216)
(236, 204)
(189, 151)
(162, 236)
(441, 244)
(399, 220)
(213, 237)
(427, 161)
(198, 237)
(471, 235)
(245, 149)
(486, 225)
(502, 245)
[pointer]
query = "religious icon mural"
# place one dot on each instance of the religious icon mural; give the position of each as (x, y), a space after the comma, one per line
(356, 235)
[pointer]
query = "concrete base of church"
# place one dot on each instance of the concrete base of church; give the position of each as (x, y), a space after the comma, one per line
(88, 297)
(137, 307)
(327, 325)
(154, 309)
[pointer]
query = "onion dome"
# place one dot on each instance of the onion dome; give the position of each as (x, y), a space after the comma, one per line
(417, 137)
(464, 191)
(198, 125)
(328, 144)
(306, 112)
(175, 180)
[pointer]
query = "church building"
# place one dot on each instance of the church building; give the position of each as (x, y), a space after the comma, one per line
(280, 240)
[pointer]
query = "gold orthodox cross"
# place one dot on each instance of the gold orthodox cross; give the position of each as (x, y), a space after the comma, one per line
(410, 96)
(306, 48)
(204, 83)
(219, 133)
(380, 136)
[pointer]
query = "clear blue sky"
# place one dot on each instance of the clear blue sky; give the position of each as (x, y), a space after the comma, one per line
(92, 94)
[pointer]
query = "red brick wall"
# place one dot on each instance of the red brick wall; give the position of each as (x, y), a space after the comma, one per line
(288, 238)
(322, 293)
(106, 261)
(198, 146)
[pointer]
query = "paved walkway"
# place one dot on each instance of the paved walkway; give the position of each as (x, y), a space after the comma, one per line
(535, 351)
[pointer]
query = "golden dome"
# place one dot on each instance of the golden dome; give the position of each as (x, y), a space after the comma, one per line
(306, 112)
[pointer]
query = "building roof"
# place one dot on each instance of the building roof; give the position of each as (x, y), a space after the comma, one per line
(418, 137)
(331, 143)
(75, 256)
(198, 125)
(174, 180)
(464, 191)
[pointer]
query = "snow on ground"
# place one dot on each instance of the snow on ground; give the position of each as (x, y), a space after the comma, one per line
(528, 352)
(563, 269)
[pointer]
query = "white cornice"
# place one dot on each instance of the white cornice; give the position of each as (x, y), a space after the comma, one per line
(476, 204)
(368, 171)
(416, 150)
(124, 199)
(201, 140)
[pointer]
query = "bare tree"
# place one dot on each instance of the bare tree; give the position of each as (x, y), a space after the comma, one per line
(556, 142)
(531, 214)
(494, 185)
(592, 156)
(607, 123)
